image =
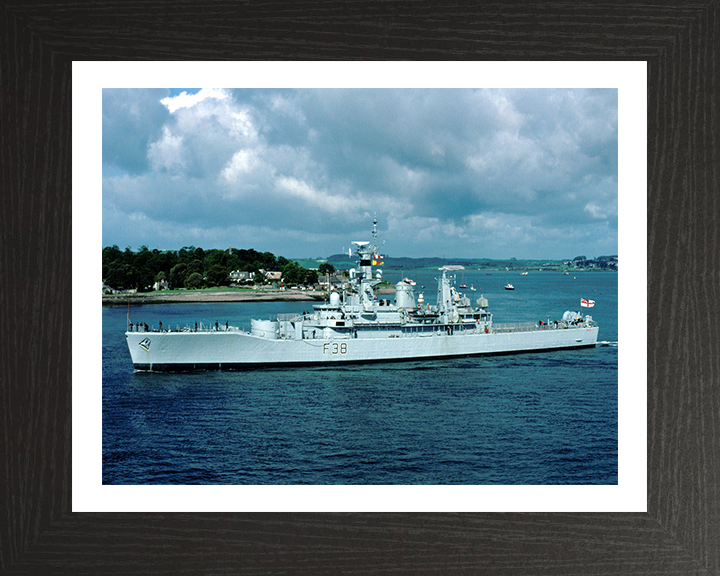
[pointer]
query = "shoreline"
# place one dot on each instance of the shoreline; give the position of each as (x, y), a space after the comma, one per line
(172, 297)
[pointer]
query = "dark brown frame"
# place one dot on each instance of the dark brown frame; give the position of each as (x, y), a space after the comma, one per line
(681, 530)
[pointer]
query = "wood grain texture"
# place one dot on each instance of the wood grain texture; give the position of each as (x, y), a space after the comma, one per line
(681, 531)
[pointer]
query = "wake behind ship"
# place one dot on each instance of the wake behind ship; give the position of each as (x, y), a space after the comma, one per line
(358, 327)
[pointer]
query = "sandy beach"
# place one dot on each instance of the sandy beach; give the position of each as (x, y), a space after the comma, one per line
(176, 297)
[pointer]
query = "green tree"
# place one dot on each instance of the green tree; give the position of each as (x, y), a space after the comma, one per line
(116, 276)
(146, 279)
(111, 258)
(185, 254)
(142, 258)
(217, 275)
(213, 257)
(269, 262)
(178, 274)
(326, 268)
(290, 273)
(194, 266)
(193, 281)
(233, 262)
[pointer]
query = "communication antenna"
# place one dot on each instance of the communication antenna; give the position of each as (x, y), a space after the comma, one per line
(376, 248)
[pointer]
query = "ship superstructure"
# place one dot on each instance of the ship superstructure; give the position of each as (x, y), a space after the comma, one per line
(358, 326)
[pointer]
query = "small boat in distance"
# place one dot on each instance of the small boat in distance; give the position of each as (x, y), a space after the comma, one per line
(509, 286)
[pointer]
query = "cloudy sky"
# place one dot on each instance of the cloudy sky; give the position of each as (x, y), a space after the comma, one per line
(301, 173)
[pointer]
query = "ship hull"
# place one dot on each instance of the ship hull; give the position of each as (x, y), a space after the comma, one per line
(237, 350)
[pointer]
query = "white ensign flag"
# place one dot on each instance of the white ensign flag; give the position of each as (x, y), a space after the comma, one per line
(587, 303)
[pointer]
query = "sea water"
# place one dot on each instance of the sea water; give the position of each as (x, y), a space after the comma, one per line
(532, 418)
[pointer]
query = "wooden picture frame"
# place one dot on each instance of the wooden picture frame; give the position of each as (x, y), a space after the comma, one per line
(38, 532)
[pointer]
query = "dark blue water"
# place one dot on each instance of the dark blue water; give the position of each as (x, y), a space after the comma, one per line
(541, 418)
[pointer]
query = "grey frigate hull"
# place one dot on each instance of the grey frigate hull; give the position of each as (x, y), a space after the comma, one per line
(237, 350)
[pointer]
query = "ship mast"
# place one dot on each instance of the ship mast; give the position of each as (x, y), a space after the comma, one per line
(367, 251)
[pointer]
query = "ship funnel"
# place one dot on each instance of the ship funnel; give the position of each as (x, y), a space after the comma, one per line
(404, 295)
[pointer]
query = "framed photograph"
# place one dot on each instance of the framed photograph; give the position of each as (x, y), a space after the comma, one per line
(525, 170)
(659, 515)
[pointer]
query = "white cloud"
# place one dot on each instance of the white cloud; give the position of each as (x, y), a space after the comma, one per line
(167, 153)
(594, 210)
(185, 100)
(293, 190)
(492, 171)
(242, 162)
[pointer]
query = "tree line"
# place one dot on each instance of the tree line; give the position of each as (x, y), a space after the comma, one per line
(192, 267)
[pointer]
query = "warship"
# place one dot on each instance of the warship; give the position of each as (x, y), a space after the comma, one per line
(358, 326)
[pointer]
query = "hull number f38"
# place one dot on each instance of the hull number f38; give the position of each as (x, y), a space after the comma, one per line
(335, 348)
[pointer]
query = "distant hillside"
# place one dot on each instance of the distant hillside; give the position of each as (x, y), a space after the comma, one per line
(342, 262)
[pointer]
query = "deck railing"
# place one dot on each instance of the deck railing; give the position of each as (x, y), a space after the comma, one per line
(517, 327)
(289, 317)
